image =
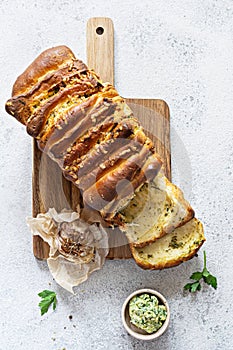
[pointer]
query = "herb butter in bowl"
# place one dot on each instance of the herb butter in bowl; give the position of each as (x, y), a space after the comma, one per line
(145, 314)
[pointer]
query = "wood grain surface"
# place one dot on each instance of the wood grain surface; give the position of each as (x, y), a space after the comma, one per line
(51, 189)
(100, 47)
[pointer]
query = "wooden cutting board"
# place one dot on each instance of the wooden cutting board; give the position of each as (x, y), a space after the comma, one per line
(50, 188)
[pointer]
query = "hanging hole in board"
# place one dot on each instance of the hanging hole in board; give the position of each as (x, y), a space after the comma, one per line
(100, 30)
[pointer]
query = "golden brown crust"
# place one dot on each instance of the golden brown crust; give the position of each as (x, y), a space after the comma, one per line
(78, 119)
(105, 155)
(76, 122)
(22, 106)
(18, 108)
(80, 148)
(67, 108)
(49, 60)
(114, 143)
(38, 119)
(120, 174)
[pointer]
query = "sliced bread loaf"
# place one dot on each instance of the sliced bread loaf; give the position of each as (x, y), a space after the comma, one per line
(156, 209)
(171, 250)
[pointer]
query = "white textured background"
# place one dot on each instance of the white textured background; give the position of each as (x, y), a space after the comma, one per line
(181, 52)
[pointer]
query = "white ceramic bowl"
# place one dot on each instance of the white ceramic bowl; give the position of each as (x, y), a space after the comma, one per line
(135, 331)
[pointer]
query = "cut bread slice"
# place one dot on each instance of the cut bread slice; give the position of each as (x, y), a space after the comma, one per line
(156, 209)
(171, 250)
(147, 172)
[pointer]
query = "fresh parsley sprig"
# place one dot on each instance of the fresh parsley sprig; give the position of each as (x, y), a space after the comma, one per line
(198, 276)
(48, 298)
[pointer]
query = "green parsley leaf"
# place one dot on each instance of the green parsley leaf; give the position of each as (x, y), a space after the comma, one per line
(54, 303)
(198, 276)
(48, 298)
(195, 286)
(45, 293)
(211, 280)
(188, 286)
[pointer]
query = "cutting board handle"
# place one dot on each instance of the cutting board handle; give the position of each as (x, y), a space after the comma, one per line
(100, 47)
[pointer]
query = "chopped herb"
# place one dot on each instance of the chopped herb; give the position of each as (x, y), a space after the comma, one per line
(174, 244)
(146, 313)
(198, 276)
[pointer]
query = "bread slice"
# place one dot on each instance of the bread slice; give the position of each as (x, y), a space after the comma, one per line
(146, 173)
(171, 250)
(156, 209)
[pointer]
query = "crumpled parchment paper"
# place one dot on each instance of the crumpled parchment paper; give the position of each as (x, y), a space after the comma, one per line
(77, 248)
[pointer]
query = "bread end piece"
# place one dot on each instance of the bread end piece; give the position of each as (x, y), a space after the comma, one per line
(171, 250)
(49, 60)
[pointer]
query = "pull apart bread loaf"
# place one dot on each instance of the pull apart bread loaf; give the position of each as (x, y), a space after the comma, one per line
(88, 129)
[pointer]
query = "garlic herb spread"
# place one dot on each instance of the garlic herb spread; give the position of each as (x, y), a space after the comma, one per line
(146, 313)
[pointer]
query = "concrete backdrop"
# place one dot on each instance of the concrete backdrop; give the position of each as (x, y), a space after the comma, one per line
(180, 52)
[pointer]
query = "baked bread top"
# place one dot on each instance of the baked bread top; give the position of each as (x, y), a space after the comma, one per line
(86, 127)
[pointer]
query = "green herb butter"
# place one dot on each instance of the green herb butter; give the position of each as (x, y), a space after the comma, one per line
(146, 313)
